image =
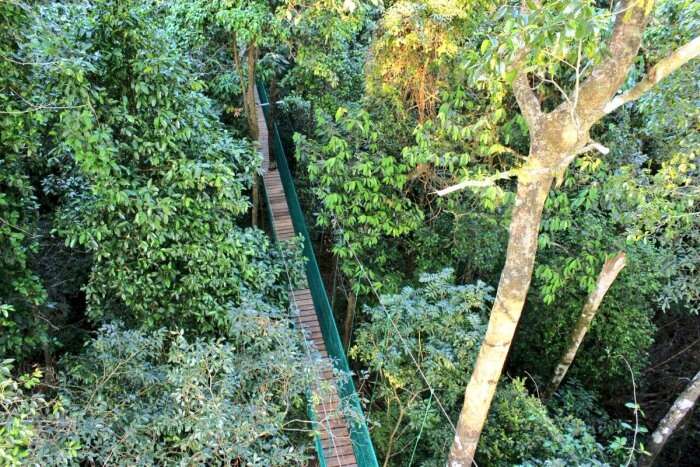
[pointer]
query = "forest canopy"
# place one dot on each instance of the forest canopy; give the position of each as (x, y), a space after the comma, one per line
(502, 199)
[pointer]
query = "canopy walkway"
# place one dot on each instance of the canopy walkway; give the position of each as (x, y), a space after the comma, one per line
(344, 440)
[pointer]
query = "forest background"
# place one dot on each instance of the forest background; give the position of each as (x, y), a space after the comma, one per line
(142, 304)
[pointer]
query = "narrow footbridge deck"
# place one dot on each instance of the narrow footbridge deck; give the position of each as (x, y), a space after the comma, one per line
(333, 403)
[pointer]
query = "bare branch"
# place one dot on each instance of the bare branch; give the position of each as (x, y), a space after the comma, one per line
(658, 72)
(594, 145)
(473, 183)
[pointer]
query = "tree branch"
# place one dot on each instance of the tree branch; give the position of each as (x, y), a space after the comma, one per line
(658, 72)
(472, 183)
(593, 145)
(524, 95)
(527, 101)
(607, 77)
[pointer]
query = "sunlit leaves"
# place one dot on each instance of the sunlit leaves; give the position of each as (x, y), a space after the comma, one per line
(360, 187)
(562, 41)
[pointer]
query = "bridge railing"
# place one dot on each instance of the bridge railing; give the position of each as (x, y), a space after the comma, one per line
(362, 443)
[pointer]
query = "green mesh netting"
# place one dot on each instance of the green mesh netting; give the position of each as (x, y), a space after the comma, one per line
(362, 443)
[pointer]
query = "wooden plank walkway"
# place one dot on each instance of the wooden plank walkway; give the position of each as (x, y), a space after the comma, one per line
(333, 426)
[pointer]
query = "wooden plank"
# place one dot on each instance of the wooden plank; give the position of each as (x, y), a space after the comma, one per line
(337, 450)
(306, 316)
(335, 437)
(305, 313)
(340, 450)
(340, 461)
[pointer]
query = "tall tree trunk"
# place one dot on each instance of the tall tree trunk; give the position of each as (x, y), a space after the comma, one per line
(252, 59)
(236, 53)
(247, 80)
(607, 276)
(510, 299)
(349, 318)
(274, 95)
(556, 138)
(681, 407)
(253, 124)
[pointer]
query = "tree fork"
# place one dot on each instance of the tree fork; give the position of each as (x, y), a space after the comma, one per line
(556, 138)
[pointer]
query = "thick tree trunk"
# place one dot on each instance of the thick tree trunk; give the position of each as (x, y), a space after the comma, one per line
(607, 276)
(556, 137)
(682, 406)
(510, 299)
(349, 318)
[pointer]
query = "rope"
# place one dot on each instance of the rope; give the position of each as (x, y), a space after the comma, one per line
(403, 342)
(420, 432)
(306, 343)
(386, 338)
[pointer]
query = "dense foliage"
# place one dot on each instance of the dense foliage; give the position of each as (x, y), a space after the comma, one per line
(439, 326)
(21, 291)
(143, 310)
(126, 160)
(143, 398)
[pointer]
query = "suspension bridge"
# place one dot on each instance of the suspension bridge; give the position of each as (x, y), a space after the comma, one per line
(333, 405)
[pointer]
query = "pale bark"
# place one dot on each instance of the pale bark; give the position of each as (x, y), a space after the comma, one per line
(488, 181)
(680, 409)
(607, 276)
(508, 305)
(607, 77)
(658, 72)
(555, 139)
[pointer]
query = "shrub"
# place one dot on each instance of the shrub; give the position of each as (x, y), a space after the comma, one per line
(157, 398)
(441, 324)
(520, 430)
